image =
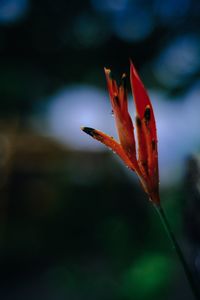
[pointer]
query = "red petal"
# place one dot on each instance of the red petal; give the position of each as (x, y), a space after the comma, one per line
(118, 97)
(143, 104)
(147, 136)
(112, 86)
(112, 144)
(142, 100)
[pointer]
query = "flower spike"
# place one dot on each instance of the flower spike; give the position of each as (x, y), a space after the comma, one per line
(144, 160)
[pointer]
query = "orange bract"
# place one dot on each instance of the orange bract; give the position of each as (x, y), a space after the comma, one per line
(144, 161)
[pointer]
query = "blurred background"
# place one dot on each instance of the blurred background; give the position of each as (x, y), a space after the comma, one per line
(74, 222)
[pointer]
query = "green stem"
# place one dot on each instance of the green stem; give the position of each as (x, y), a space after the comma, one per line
(178, 250)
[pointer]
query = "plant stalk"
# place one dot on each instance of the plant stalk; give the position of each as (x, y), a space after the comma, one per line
(178, 250)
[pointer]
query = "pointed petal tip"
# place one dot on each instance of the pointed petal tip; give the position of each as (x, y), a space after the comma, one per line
(133, 69)
(88, 130)
(124, 76)
(107, 71)
(124, 81)
(132, 65)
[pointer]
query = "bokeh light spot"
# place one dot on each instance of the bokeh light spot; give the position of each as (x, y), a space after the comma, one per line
(88, 31)
(75, 107)
(146, 277)
(13, 10)
(110, 5)
(133, 25)
(178, 60)
(170, 10)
